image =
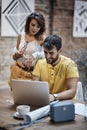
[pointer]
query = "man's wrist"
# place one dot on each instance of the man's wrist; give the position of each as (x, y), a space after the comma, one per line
(55, 96)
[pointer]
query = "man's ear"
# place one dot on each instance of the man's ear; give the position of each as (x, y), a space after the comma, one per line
(61, 50)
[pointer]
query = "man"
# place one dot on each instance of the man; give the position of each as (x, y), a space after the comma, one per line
(59, 71)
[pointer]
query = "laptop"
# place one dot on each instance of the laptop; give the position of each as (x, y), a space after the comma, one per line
(33, 93)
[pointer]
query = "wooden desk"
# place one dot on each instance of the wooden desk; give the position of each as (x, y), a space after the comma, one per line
(6, 117)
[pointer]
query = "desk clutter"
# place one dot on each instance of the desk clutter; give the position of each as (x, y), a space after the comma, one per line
(58, 111)
(7, 121)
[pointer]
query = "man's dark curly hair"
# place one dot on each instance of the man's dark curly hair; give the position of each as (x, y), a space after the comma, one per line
(51, 41)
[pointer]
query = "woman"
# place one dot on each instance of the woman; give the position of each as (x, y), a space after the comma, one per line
(29, 47)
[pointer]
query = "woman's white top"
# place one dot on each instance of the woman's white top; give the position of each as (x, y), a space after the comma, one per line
(30, 48)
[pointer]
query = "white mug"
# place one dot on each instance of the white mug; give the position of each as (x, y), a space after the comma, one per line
(22, 109)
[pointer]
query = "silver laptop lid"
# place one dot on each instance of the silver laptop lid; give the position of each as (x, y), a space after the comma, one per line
(34, 93)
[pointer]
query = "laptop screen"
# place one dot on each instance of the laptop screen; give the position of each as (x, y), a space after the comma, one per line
(34, 93)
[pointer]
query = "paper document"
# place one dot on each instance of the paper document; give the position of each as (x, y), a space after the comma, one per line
(79, 109)
(37, 114)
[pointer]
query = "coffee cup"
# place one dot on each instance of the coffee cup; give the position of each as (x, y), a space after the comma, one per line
(22, 109)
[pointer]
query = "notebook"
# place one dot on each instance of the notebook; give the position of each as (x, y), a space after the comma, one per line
(33, 93)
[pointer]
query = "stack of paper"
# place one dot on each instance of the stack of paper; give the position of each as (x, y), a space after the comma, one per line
(79, 109)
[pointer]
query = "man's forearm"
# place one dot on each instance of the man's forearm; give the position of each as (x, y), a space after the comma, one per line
(67, 94)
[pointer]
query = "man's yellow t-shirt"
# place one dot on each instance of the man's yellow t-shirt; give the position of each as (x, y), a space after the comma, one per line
(57, 75)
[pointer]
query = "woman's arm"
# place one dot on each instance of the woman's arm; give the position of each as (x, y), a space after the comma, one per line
(16, 52)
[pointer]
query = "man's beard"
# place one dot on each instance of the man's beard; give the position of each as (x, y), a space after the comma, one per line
(52, 60)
